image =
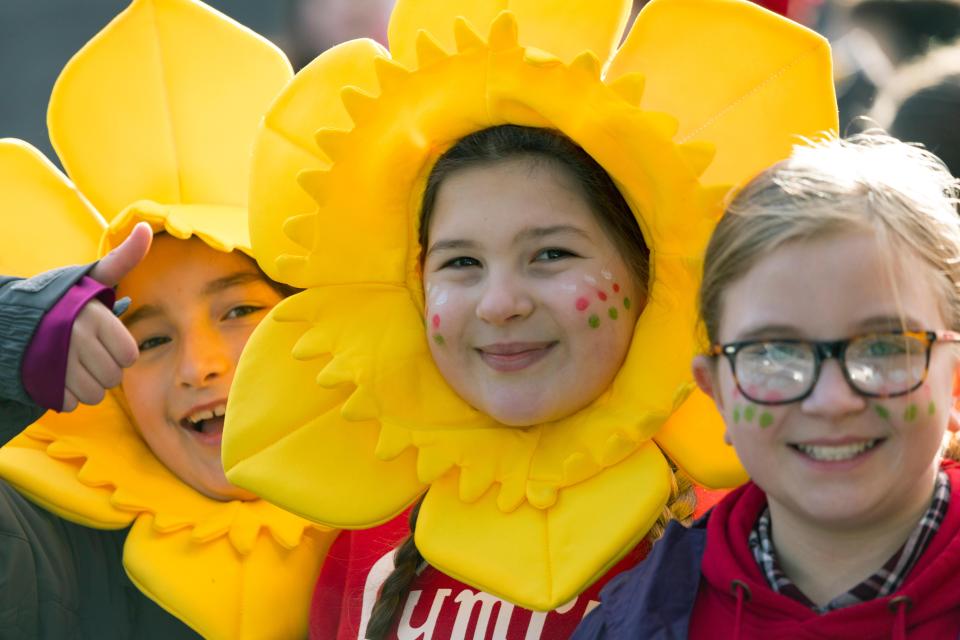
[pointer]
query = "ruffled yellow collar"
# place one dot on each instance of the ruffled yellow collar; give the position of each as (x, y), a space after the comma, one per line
(340, 414)
(224, 568)
(146, 135)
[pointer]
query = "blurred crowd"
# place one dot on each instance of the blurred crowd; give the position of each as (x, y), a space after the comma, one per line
(897, 62)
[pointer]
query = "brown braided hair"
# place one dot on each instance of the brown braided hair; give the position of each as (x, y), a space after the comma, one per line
(405, 564)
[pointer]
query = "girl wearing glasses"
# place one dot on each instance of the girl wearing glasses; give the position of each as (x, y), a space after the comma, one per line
(830, 297)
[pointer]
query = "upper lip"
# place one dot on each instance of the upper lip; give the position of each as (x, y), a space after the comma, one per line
(206, 406)
(513, 348)
(836, 442)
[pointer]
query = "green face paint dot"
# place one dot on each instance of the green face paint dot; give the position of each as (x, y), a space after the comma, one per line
(749, 412)
(931, 408)
(613, 313)
(626, 303)
(882, 411)
(736, 414)
(910, 413)
(439, 339)
(594, 321)
(766, 419)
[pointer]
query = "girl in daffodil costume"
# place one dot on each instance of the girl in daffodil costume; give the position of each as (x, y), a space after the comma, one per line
(117, 508)
(440, 359)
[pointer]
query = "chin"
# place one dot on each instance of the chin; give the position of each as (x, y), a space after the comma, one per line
(220, 489)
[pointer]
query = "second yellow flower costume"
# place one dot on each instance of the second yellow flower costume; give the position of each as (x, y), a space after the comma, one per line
(153, 120)
(339, 412)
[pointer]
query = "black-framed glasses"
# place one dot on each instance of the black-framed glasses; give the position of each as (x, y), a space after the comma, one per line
(877, 365)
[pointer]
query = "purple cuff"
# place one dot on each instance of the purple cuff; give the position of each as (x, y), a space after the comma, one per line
(44, 368)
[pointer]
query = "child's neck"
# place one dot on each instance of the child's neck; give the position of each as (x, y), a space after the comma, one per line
(825, 562)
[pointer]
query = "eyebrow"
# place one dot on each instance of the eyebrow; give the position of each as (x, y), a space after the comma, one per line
(870, 325)
(213, 287)
(529, 233)
(145, 312)
(232, 280)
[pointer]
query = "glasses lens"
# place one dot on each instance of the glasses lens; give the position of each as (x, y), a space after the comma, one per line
(886, 364)
(776, 371)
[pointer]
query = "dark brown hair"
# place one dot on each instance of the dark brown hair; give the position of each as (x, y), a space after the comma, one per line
(508, 142)
(485, 147)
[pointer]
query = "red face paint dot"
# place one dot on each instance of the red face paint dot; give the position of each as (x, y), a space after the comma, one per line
(616, 288)
(436, 322)
(582, 303)
(601, 295)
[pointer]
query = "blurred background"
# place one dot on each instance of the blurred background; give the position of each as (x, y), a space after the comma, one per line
(897, 62)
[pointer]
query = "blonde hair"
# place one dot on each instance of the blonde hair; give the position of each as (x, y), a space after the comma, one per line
(873, 182)
(870, 181)
(680, 505)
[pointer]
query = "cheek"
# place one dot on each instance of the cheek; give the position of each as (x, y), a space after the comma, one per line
(597, 302)
(749, 415)
(142, 389)
(918, 407)
(445, 312)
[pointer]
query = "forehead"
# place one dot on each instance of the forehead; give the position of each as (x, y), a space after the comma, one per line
(177, 268)
(831, 287)
(503, 197)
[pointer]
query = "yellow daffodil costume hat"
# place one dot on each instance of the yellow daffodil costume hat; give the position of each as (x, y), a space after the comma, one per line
(339, 413)
(153, 120)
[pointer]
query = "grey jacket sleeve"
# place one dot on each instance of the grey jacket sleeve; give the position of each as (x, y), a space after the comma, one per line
(23, 303)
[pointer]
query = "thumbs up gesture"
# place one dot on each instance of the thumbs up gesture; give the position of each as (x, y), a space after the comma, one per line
(100, 346)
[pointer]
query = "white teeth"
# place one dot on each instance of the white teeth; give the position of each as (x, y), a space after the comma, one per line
(206, 414)
(836, 453)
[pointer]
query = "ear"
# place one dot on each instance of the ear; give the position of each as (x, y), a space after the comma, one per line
(705, 375)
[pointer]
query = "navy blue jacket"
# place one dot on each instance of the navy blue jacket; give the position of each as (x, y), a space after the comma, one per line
(654, 599)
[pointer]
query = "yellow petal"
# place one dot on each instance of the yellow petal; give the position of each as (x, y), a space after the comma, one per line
(36, 197)
(297, 429)
(163, 104)
(376, 337)
(563, 28)
(744, 79)
(693, 438)
(561, 549)
(330, 473)
(222, 594)
(285, 145)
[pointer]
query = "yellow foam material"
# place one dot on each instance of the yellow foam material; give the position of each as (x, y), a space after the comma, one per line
(154, 119)
(702, 95)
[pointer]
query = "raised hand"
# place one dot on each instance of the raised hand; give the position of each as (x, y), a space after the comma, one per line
(100, 346)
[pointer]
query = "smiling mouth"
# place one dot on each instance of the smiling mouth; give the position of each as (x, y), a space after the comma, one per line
(836, 453)
(514, 356)
(206, 425)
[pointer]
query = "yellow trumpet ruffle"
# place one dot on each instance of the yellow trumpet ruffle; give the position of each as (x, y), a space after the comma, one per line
(339, 412)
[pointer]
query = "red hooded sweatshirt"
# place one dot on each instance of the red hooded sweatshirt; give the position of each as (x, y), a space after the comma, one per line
(734, 595)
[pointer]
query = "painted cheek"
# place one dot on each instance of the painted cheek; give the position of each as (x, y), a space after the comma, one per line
(749, 413)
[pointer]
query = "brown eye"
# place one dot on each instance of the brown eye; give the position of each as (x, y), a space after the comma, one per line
(153, 342)
(552, 254)
(240, 311)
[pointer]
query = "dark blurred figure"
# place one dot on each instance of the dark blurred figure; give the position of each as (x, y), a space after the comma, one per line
(316, 25)
(878, 37)
(921, 103)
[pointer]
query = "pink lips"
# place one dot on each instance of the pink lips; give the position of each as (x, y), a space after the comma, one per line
(514, 356)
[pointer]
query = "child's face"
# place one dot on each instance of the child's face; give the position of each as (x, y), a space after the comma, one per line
(530, 308)
(192, 310)
(836, 457)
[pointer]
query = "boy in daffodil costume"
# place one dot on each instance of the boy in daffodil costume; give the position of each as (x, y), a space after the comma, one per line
(117, 518)
(483, 333)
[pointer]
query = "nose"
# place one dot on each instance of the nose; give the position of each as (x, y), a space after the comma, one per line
(832, 395)
(204, 358)
(504, 298)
